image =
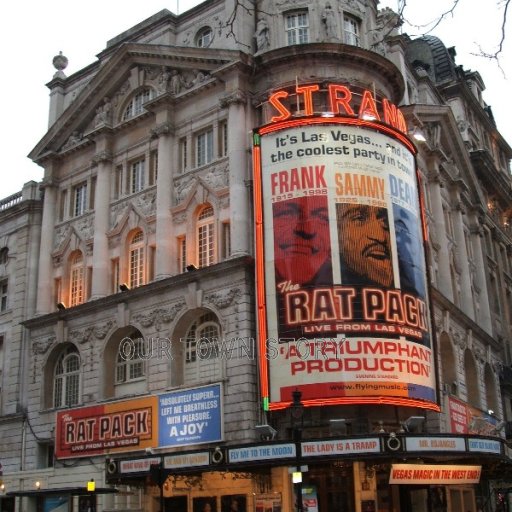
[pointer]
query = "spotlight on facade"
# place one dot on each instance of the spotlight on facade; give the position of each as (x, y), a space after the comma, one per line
(418, 135)
(38, 485)
(266, 432)
(191, 268)
(124, 287)
(61, 306)
(413, 423)
(149, 450)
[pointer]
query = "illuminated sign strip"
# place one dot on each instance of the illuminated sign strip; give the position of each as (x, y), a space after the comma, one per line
(421, 474)
(260, 274)
(340, 447)
(484, 445)
(429, 444)
(137, 465)
(262, 452)
(185, 460)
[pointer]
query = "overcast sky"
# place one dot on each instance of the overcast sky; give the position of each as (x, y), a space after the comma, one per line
(35, 31)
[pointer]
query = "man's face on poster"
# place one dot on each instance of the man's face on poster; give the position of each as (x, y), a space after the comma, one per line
(301, 238)
(364, 240)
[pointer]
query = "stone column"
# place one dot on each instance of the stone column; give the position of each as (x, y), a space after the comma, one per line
(445, 278)
(44, 282)
(484, 317)
(166, 250)
(240, 226)
(100, 259)
(466, 293)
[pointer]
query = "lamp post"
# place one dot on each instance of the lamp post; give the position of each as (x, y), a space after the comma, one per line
(297, 416)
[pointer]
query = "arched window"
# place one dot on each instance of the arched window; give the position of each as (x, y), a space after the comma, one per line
(76, 279)
(124, 363)
(66, 382)
(135, 107)
(130, 362)
(205, 237)
(136, 260)
(202, 361)
(204, 37)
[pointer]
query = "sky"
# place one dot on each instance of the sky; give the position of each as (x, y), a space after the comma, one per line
(38, 30)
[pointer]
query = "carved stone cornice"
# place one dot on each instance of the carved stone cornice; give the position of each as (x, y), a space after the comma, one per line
(222, 299)
(101, 330)
(236, 97)
(158, 316)
(102, 156)
(162, 129)
(81, 336)
(41, 346)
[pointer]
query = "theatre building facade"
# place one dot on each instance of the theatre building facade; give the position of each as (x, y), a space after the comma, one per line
(271, 259)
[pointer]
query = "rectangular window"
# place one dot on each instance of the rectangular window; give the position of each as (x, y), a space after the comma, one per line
(223, 139)
(80, 199)
(137, 176)
(136, 267)
(297, 28)
(205, 244)
(182, 254)
(3, 295)
(153, 173)
(183, 154)
(76, 290)
(351, 30)
(204, 148)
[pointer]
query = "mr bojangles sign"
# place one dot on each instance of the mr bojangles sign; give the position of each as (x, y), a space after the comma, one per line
(434, 474)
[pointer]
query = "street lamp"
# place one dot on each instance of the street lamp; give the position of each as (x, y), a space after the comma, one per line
(297, 416)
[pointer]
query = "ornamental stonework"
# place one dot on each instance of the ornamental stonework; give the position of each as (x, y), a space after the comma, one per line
(158, 316)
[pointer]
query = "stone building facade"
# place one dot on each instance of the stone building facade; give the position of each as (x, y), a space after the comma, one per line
(141, 290)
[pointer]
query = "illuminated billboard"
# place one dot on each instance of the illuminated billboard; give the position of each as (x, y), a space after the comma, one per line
(343, 310)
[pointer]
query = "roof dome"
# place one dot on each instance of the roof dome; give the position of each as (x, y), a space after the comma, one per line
(430, 54)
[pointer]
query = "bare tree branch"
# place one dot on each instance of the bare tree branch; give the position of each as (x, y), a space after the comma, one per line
(435, 22)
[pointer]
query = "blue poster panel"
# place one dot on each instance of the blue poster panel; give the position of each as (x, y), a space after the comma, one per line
(190, 416)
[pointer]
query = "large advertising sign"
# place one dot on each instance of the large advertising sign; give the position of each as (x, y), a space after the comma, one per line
(343, 311)
(107, 428)
(190, 417)
(185, 417)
